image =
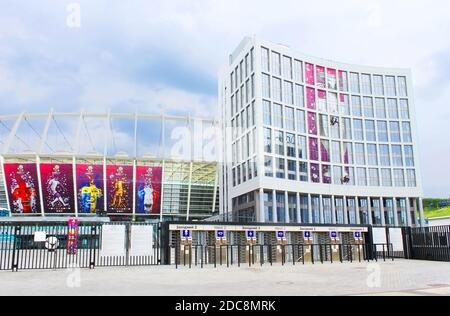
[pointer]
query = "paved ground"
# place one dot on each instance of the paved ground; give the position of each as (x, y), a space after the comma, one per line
(385, 278)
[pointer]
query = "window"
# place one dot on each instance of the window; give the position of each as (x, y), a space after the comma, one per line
(302, 147)
(280, 173)
(288, 96)
(253, 86)
(313, 149)
(248, 91)
(268, 166)
(395, 132)
(360, 154)
(409, 156)
(281, 208)
(323, 125)
(325, 150)
(267, 113)
(315, 177)
(380, 108)
(344, 104)
(265, 86)
(382, 131)
(292, 170)
(247, 65)
(268, 207)
(335, 152)
(368, 107)
(404, 109)
(402, 90)
(337, 175)
(411, 177)
(348, 153)
(356, 106)
(406, 132)
(384, 155)
(386, 178)
(347, 128)
(244, 172)
(287, 67)
(252, 59)
(276, 64)
(303, 171)
(358, 129)
(312, 124)
(399, 178)
(320, 76)
(232, 106)
(279, 143)
(392, 108)
(331, 79)
(276, 89)
(362, 176)
(301, 125)
(290, 145)
(290, 119)
(292, 201)
(354, 82)
(267, 140)
(238, 175)
(298, 71)
(310, 98)
(378, 85)
(391, 89)
(278, 115)
(299, 96)
(372, 154)
(370, 131)
(374, 180)
(335, 128)
(366, 85)
(322, 100)
(265, 59)
(343, 81)
(332, 103)
(350, 171)
(241, 70)
(309, 74)
(397, 158)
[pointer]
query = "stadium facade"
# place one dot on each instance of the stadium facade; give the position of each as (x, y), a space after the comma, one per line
(314, 141)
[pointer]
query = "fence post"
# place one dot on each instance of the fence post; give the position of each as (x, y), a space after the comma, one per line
(92, 247)
(15, 240)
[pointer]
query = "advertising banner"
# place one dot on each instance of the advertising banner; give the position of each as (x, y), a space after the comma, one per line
(148, 189)
(57, 188)
(72, 236)
(22, 187)
(119, 189)
(90, 188)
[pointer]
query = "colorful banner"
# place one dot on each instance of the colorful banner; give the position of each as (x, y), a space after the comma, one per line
(312, 123)
(309, 74)
(315, 177)
(148, 189)
(313, 149)
(72, 236)
(310, 98)
(326, 177)
(90, 188)
(22, 187)
(57, 188)
(119, 189)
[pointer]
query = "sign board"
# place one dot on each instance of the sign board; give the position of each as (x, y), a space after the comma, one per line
(51, 243)
(5, 213)
(396, 239)
(307, 235)
(220, 234)
(40, 236)
(113, 240)
(334, 235)
(72, 236)
(281, 234)
(251, 234)
(141, 240)
(186, 234)
(357, 235)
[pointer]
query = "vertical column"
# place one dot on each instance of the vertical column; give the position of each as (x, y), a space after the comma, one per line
(161, 207)
(416, 211)
(261, 206)
(41, 197)
(134, 190)
(408, 212)
(286, 208)
(188, 206)
(5, 186)
(309, 209)
(299, 213)
(333, 210)
(345, 210)
(322, 219)
(369, 212)
(75, 193)
(394, 202)
(382, 212)
(422, 215)
(274, 199)
(358, 217)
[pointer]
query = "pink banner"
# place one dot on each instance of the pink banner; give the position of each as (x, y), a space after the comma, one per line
(332, 80)
(342, 80)
(310, 98)
(22, 187)
(315, 173)
(120, 189)
(313, 149)
(312, 123)
(72, 236)
(148, 189)
(309, 74)
(57, 188)
(326, 177)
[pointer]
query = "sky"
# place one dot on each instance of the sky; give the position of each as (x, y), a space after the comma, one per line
(164, 56)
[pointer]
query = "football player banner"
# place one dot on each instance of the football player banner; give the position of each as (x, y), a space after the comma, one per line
(22, 187)
(119, 189)
(148, 189)
(57, 188)
(72, 236)
(90, 188)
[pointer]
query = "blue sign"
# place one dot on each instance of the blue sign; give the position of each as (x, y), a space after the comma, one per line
(357, 235)
(333, 234)
(281, 234)
(220, 234)
(307, 234)
(4, 213)
(251, 234)
(186, 233)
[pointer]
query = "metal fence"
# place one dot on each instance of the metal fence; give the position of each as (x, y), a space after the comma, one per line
(428, 243)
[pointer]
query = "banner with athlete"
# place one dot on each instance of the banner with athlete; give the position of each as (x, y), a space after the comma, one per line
(148, 189)
(119, 189)
(90, 188)
(57, 188)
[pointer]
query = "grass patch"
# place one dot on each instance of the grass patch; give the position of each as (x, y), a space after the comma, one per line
(433, 213)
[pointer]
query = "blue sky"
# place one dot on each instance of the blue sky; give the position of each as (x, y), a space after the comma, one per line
(155, 56)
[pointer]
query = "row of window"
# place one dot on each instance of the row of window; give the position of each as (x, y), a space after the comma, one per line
(298, 146)
(335, 127)
(316, 75)
(332, 102)
(245, 172)
(244, 148)
(286, 208)
(243, 70)
(243, 121)
(282, 168)
(243, 96)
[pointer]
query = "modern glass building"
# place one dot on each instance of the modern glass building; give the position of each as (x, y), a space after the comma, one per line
(308, 140)
(178, 151)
